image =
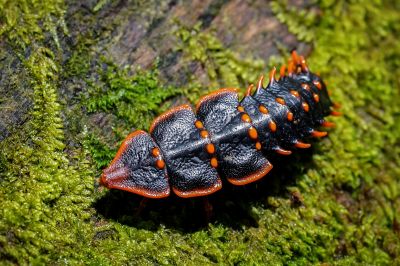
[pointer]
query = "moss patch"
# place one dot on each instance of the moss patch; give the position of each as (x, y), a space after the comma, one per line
(337, 205)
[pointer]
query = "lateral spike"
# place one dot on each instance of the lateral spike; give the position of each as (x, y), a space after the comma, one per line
(249, 89)
(328, 124)
(260, 83)
(282, 71)
(295, 57)
(272, 76)
(318, 134)
(290, 68)
(336, 113)
(302, 145)
(303, 64)
(336, 105)
(281, 151)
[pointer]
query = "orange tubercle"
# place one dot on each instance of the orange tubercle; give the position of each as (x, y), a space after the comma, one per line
(253, 133)
(305, 106)
(155, 152)
(246, 118)
(272, 126)
(280, 101)
(160, 164)
(316, 97)
(198, 124)
(214, 162)
(204, 134)
(305, 86)
(263, 109)
(240, 108)
(295, 93)
(317, 84)
(258, 146)
(210, 148)
(290, 116)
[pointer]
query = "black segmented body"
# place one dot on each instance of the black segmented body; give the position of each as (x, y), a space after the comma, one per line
(190, 153)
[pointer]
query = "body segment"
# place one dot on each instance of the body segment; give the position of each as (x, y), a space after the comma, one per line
(226, 138)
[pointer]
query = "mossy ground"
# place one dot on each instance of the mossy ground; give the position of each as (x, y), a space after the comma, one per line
(337, 204)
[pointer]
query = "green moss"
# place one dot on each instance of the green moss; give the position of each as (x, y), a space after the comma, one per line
(134, 98)
(45, 201)
(357, 52)
(349, 189)
(24, 22)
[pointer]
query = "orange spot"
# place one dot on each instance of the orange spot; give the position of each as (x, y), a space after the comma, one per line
(272, 126)
(295, 93)
(305, 86)
(253, 133)
(290, 116)
(214, 162)
(210, 148)
(258, 146)
(328, 124)
(160, 164)
(318, 134)
(282, 151)
(280, 100)
(263, 109)
(155, 152)
(336, 113)
(198, 124)
(316, 97)
(317, 84)
(302, 145)
(204, 134)
(306, 107)
(240, 109)
(246, 118)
